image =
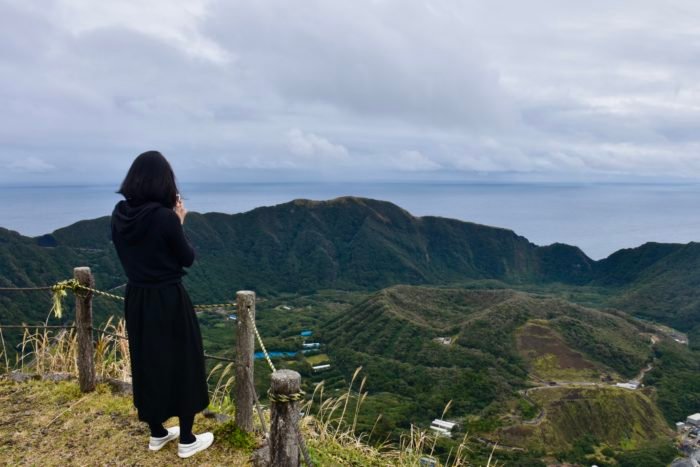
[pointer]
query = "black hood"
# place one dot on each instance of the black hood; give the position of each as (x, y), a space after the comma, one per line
(132, 221)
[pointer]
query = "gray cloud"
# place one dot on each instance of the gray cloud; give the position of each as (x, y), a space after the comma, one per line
(412, 161)
(452, 87)
(31, 165)
(313, 147)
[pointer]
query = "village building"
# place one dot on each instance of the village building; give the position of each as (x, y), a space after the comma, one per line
(442, 428)
(693, 420)
(443, 340)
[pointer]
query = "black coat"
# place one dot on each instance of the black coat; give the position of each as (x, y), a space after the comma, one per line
(165, 343)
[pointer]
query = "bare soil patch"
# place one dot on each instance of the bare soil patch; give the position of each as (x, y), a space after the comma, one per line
(536, 340)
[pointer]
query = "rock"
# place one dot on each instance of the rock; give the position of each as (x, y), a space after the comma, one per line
(222, 418)
(118, 386)
(22, 377)
(219, 417)
(261, 456)
(56, 377)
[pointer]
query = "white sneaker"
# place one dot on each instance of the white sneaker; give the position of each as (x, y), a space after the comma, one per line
(155, 444)
(200, 443)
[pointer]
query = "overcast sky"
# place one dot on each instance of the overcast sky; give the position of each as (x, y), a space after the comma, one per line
(383, 89)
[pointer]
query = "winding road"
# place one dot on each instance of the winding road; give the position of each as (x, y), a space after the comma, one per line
(524, 393)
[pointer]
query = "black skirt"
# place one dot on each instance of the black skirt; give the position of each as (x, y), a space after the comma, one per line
(167, 359)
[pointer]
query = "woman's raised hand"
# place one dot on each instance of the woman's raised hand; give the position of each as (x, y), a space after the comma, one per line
(180, 210)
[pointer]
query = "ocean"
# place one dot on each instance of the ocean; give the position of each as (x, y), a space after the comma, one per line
(598, 218)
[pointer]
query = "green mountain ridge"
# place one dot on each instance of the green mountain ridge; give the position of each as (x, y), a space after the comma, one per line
(364, 244)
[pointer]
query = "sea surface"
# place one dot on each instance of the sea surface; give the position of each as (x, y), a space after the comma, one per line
(599, 218)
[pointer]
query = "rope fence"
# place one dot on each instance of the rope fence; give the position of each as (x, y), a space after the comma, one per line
(284, 401)
(111, 334)
(59, 290)
(261, 343)
(221, 359)
(27, 326)
(97, 330)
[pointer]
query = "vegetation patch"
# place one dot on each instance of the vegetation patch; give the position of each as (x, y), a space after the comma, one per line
(234, 437)
(549, 357)
(612, 416)
(318, 359)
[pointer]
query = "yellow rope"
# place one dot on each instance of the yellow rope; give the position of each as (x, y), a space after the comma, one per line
(285, 398)
(197, 307)
(60, 289)
(216, 305)
(260, 341)
(98, 292)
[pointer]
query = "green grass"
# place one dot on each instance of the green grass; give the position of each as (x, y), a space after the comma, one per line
(318, 359)
(229, 434)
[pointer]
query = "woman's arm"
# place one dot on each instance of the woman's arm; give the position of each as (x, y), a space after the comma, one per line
(177, 240)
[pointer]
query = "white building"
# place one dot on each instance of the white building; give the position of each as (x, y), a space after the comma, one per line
(321, 367)
(443, 340)
(629, 385)
(442, 428)
(311, 345)
(693, 419)
(680, 426)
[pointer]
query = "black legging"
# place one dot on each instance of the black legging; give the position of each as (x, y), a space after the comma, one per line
(186, 436)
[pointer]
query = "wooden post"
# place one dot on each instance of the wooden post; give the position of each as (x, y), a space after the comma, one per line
(245, 347)
(83, 324)
(284, 450)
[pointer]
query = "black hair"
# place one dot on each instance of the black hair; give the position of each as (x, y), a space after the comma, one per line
(150, 178)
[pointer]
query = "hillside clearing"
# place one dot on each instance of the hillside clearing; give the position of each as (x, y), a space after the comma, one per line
(549, 357)
(616, 417)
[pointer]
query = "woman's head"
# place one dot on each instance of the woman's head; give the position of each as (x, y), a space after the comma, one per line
(150, 178)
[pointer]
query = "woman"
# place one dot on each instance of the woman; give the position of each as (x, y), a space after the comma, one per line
(167, 359)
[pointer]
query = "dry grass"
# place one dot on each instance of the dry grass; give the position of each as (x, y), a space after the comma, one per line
(112, 353)
(47, 423)
(333, 440)
(53, 424)
(220, 395)
(3, 353)
(45, 350)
